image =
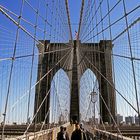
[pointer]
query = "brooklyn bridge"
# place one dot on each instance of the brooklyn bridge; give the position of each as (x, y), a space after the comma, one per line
(66, 61)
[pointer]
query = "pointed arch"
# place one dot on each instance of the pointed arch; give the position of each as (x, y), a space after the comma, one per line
(89, 84)
(60, 97)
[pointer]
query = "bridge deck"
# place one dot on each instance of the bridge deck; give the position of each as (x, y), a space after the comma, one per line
(13, 131)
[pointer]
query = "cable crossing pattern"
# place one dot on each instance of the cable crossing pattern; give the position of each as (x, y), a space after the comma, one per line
(48, 79)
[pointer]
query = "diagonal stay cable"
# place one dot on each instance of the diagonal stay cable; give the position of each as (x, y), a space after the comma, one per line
(125, 30)
(68, 15)
(45, 119)
(103, 17)
(23, 19)
(110, 113)
(131, 54)
(81, 18)
(88, 24)
(89, 104)
(39, 80)
(32, 60)
(116, 21)
(30, 55)
(110, 84)
(36, 11)
(37, 111)
(46, 93)
(114, 54)
(11, 70)
(64, 65)
(101, 118)
(21, 27)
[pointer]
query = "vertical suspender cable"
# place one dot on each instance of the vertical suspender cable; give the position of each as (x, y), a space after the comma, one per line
(110, 33)
(32, 63)
(105, 57)
(132, 61)
(69, 23)
(11, 69)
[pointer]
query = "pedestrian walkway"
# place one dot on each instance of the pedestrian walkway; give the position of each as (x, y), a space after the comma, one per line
(70, 129)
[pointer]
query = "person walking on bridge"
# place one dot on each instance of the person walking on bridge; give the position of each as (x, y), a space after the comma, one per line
(78, 134)
(62, 135)
(66, 134)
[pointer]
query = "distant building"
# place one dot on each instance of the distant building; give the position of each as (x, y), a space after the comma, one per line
(129, 120)
(136, 120)
(119, 118)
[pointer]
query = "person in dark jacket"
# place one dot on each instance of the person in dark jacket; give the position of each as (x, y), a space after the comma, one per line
(78, 134)
(62, 135)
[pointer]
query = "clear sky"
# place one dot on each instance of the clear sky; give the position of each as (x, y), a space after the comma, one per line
(18, 97)
(74, 7)
(22, 67)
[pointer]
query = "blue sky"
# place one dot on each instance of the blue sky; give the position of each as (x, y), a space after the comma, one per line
(25, 44)
(20, 82)
(74, 7)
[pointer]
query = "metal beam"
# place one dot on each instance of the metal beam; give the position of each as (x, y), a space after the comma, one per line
(81, 16)
(68, 15)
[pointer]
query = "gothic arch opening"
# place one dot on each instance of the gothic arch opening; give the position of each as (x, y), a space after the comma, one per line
(89, 97)
(60, 98)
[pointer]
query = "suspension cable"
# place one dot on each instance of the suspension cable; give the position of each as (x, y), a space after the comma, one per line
(11, 70)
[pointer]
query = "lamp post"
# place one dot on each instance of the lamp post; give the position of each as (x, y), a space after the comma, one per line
(93, 100)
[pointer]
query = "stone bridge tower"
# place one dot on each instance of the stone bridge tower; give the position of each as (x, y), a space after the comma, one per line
(96, 56)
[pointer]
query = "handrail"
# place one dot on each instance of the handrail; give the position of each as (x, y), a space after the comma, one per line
(113, 136)
(52, 133)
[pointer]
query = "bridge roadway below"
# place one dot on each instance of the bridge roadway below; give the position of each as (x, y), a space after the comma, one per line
(132, 131)
(12, 131)
(16, 132)
(126, 130)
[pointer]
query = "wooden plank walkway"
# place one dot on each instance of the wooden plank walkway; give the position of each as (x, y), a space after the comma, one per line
(70, 129)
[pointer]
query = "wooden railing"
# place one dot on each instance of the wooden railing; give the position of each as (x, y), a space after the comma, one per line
(49, 134)
(101, 134)
(110, 136)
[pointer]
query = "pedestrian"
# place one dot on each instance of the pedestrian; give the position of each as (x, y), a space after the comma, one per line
(66, 135)
(62, 135)
(78, 134)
